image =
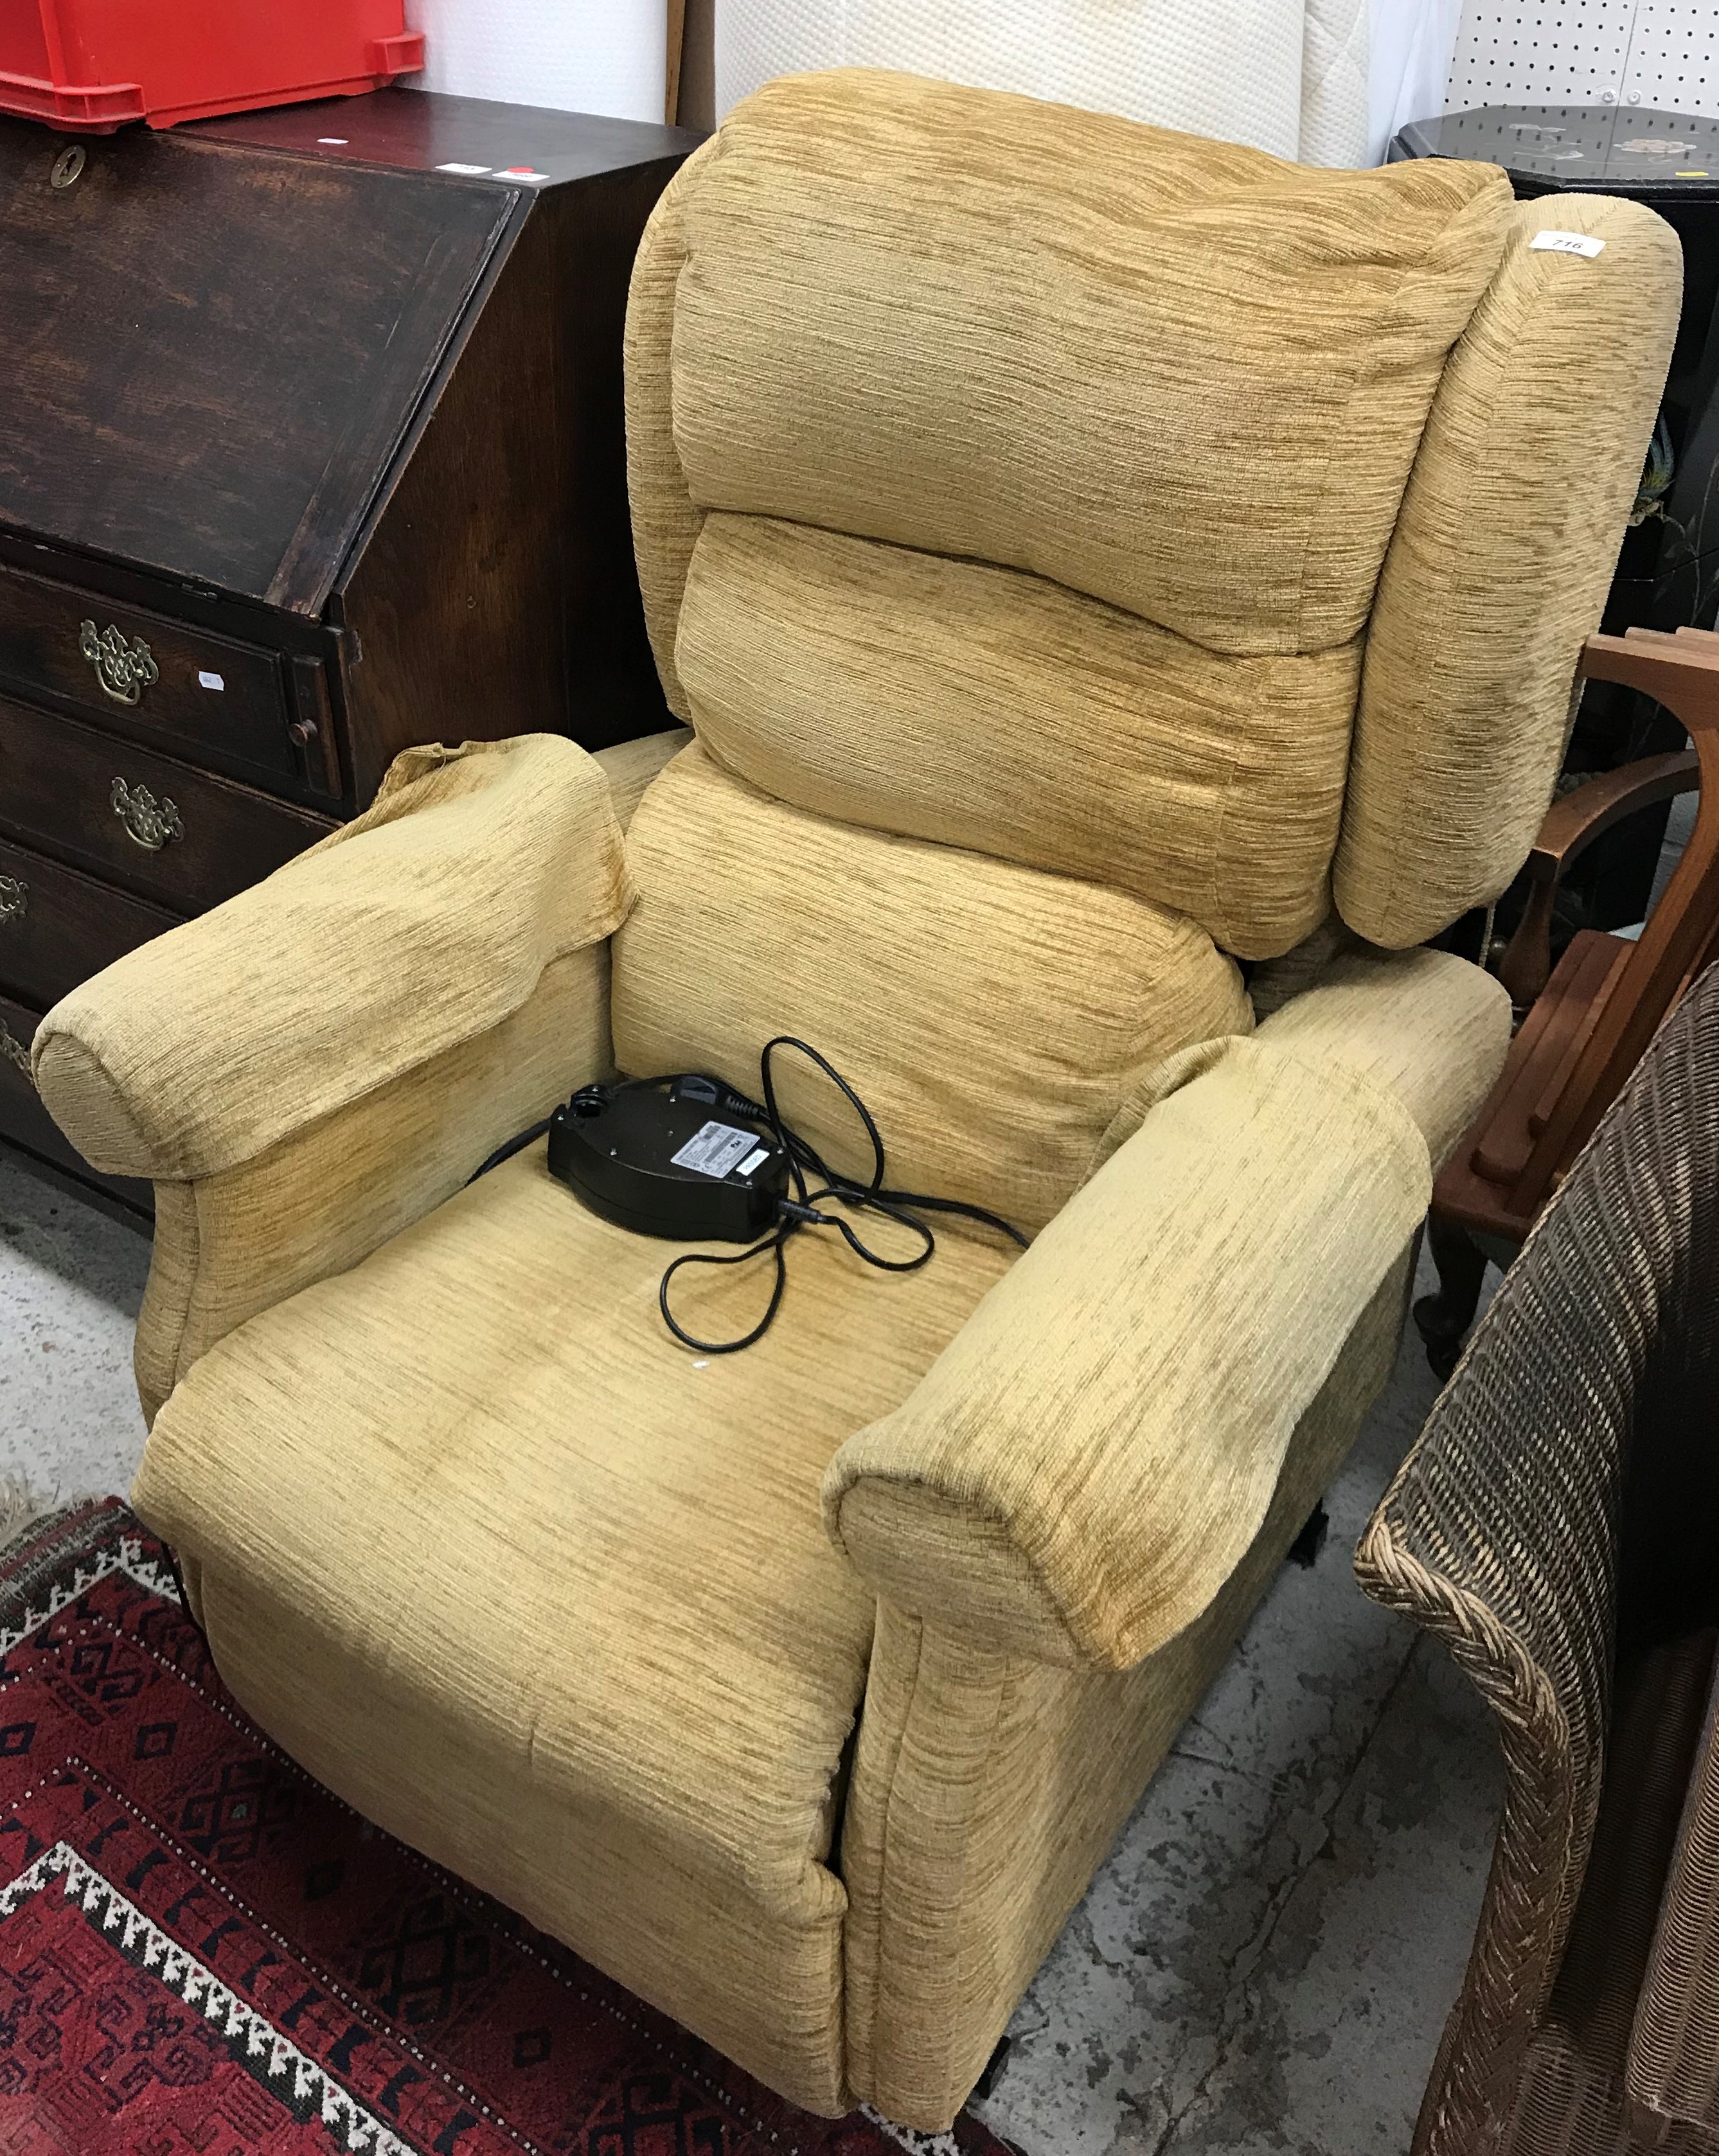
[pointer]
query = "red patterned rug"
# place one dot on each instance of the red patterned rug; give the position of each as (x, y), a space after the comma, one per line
(202, 1950)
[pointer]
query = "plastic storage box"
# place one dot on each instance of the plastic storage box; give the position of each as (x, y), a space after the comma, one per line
(90, 65)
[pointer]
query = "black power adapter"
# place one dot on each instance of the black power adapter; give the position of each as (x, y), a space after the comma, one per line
(690, 1159)
(689, 1163)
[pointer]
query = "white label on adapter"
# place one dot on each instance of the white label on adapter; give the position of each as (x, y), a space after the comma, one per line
(210, 682)
(713, 1148)
(754, 1160)
(465, 171)
(1566, 242)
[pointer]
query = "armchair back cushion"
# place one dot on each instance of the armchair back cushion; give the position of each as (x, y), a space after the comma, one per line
(984, 326)
(994, 1018)
(1019, 479)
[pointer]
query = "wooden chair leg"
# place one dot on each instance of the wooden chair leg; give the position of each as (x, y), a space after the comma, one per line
(1444, 1319)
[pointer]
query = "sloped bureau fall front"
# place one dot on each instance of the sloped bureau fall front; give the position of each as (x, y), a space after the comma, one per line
(310, 448)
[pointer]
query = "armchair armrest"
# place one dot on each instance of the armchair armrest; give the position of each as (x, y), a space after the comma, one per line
(1671, 2070)
(307, 1068)
(423, 922)
(1080, 1471)
(1571, 825)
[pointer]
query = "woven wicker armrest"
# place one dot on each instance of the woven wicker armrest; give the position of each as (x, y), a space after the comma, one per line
(1672, 2073)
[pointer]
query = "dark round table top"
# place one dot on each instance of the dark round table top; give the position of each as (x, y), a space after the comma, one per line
(1617, 149)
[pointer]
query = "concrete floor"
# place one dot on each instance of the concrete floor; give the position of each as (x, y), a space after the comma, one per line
(1264, 1964)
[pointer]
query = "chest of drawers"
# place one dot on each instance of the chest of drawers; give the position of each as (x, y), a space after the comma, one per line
(311, 449)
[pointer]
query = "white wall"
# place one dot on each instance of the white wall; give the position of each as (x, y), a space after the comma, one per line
(580, 55)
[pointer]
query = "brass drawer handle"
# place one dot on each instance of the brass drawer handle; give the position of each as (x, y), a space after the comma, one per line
(15, 898)
(124, 666)
(152, 823)
(13, 1049)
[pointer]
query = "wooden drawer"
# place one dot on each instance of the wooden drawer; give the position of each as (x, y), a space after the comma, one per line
(58, 927)
(27, 1122)
(180, 837)
(185, 686)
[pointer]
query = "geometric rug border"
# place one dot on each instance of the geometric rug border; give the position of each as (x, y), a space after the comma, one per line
(306, 2088)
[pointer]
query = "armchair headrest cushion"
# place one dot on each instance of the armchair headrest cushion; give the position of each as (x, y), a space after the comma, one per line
(1182, 376)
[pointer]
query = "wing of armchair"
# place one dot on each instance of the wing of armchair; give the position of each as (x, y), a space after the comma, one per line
(308, 1068)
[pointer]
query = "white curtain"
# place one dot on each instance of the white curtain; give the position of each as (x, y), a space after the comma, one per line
(1285, 75)
(1412, 42)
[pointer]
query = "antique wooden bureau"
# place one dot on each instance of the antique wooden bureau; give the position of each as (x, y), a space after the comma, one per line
(310, 448)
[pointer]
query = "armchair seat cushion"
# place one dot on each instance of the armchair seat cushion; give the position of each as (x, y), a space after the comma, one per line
(548, 1596)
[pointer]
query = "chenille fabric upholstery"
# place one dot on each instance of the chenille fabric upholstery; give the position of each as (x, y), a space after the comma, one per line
(1204, 309)
(950, 701)
(817, 324)
(1417, 1020)
(1078, 1559)
(988, 1785)
(995, 1018)
(328, 1193)
(1011, 490)
(620, 1697)
(368, 907)
(1500, 564)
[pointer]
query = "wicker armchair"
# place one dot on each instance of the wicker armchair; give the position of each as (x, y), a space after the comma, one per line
(1555, 1527)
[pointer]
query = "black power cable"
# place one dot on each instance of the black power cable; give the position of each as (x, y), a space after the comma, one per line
(802, 1210)
(816, 1186)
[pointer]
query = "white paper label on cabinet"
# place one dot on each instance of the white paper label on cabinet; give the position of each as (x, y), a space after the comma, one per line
(210, 682)
(1566, 242)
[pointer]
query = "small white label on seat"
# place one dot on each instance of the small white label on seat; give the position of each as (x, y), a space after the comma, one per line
(1566, 242)
(210, 682)
(713, 1148)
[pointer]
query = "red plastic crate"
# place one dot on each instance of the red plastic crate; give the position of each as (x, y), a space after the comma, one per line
(90, 65)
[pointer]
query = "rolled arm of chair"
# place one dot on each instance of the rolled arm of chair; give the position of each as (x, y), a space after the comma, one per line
(308, 1068)
(1079, 1472)
(425, 922)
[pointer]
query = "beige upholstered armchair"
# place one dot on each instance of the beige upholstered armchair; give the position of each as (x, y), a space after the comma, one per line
(1094, 562)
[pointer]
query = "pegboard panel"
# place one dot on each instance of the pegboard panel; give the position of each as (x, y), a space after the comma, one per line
(1658, 54)
(1673, 57)
(1560, 51)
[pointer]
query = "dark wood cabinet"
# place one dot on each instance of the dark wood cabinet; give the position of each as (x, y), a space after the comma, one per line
(311, 449)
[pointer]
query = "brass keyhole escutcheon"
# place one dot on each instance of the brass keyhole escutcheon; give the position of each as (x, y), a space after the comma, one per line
(152, 823)
(67, 166)
(15, 898)
(124, 665)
